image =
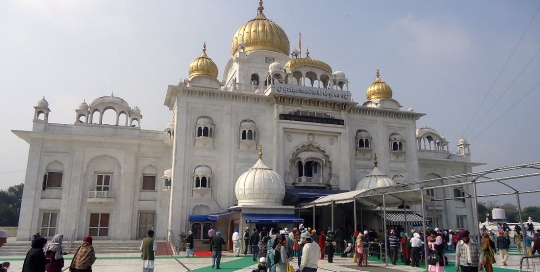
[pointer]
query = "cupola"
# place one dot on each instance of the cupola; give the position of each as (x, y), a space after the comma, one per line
(260, 186)
(203, 66)
(261, 34)
(375, 179)
(379, 89)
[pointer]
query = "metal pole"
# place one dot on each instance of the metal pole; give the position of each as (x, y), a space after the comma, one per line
(475, 213)
(384, 223)
(522, 228)
(354, 228)
(332, 216)
(314, 217)
(434, 215)
(424, 225)
(406, 223)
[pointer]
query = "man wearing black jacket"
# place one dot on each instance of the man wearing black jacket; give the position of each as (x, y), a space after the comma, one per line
(246, 240)
(254, 242)
(503, 243)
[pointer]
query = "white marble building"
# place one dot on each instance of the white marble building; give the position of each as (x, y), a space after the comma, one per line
(116, 181)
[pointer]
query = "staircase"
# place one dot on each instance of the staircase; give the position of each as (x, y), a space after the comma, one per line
(20, 248)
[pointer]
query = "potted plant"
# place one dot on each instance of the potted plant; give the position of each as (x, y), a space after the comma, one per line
(182, 241)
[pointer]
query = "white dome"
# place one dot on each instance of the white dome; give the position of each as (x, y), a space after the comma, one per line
(136, 110)
(424, 130)
(260, 186)
(275, 66)
(109, 99)
(83, 106)
(339, 74)
(374, 180)
(498, 214)
(462, 141)
(203, 169)
(43, 103)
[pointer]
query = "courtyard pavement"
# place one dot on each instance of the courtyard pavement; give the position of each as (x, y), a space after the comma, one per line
(131, 262)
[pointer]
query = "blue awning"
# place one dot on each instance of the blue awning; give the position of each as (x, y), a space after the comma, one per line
(312, 193)
(210, 217)
(215, 216)
(272, 218)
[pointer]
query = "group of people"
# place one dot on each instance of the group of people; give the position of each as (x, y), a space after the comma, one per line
(49, 257)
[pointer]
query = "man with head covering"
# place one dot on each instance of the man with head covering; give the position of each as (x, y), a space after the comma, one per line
(393, 243)
(468, 256)
(236, 242)
(416, 246)
(217, 244)
(310, 254)
(35, 260)
(503, 244)
(246, 240)
(84, 257)
(3, 239)
(189, 244)
(148, 249)
(54, 251)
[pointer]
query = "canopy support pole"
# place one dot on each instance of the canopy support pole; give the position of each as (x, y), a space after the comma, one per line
(475, 213)
(355, 224)
(424, 226)
(314, 217)
(332, 207)
(406, 223)
(385, 234)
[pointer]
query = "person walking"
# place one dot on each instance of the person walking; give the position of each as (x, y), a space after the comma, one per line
(211, 234)
(3, 239)
(488, 248)
(310, 254)
(35, 260)
(217, 244)
(84, 257)
(416, 245)
(148, 249)
(330, 246)
(359, 250)
(393, 243)
(436, 246)
(254, 242)
(528, 245)
(503, 244)
(246, 240)
(535, 245)
(54, 251)
(468, 257)
(236, 243)
(518, 240)
(280, 253)
(189, 244)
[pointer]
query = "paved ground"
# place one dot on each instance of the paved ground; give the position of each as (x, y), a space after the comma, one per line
(131, 262)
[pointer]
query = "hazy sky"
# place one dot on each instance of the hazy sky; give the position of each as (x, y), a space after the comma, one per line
(441, 58)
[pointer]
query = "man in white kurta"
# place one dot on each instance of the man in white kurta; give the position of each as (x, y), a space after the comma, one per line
(237, 245)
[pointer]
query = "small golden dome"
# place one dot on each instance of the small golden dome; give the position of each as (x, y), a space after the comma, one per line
(203, 66)
(307, 61)
(379, 89)
(261, 34)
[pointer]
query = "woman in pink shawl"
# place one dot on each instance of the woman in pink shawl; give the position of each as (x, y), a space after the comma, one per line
(435, 243)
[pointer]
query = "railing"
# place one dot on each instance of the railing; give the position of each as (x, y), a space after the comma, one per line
(534, 264)
(71, 240)
(100, 194)
(309, 179)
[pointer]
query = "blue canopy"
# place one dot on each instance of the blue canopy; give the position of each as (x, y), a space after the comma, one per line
(312, 193)
(210, 217)
(272, 218)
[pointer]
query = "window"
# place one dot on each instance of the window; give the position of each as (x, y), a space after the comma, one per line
(396, 142)
(363, 143)
(430, 192)
(149, 183)
(196, 230)
(459, 195)
(53, 180)
(460, 221)
(206, 228)
(103, 182)
(48, 224)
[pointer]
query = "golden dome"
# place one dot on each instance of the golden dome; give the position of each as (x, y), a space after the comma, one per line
(261, 34)
(307, 61)
(203, 66)
(379, 89)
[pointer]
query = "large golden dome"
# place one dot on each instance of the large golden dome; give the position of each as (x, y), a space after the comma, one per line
(379, 89)
(307, 61)
(203, 66)
(261, 34)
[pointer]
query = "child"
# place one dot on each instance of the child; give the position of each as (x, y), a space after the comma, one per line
(262, 265)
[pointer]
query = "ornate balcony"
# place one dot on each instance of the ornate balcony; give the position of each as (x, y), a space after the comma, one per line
(101, 196)
(309, 182)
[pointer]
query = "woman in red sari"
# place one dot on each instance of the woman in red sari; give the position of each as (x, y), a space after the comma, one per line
(321, 244)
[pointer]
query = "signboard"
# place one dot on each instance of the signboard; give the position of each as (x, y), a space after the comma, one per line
(312, 92)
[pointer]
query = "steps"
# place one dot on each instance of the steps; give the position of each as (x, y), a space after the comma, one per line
(20, 248)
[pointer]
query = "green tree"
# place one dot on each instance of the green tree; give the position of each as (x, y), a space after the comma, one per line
(533, 212)
(10, 205)
(482, 211)
(511, 212)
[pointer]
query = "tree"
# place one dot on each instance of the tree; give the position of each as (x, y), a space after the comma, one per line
(533, 212)
(10, 205)
(482, 211)
(511, 212)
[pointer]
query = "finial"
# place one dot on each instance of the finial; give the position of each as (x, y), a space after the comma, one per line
(307, 52)
(112, 94)
(260, 148)
(261, 8)
(378, 73)
(43, 97)
(204, 47)
(375, 160)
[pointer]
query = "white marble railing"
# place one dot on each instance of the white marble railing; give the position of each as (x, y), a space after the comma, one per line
(100, 194)
(309, 179)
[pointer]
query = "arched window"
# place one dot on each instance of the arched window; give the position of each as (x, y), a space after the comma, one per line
(254, 79)
(244, 137)
(53, 177)
(204, 131)
(250, 135)
(396, 142)
(199, 132)
(197, 182)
